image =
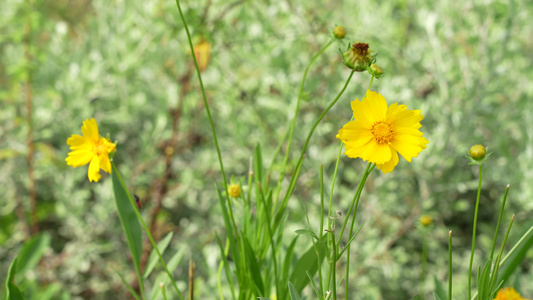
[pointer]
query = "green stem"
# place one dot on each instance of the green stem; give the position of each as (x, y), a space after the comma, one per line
(474, 235)
(497, 265)
(321, 230)
(450, 265)
(148, 233)
(208, 111)
(296, 173)
(369, 169)
(424, 264)
(498, 225)
(293, 122)
(273, 247)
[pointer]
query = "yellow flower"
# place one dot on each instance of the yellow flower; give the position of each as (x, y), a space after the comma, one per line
(378, 133)
(508, 294)
(426, 220)
(90, 149)
(234, 190)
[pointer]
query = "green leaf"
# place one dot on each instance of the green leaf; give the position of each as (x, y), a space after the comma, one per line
(129, 221)
(483, 281)
(293, 292)
(253, 267)
(287, 264)
(507, 268)
(258, 164)
(440, 292)
(128, 286)
(13, 293)
(163, 277)
(307, 263)
(154, 259)
(32, 252)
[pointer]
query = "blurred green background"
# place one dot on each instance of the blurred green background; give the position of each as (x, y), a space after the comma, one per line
(466, 65)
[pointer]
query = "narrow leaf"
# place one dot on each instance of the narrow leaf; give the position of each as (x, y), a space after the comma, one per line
(32, 252)
(293, 292)
(13, 293)
(129, 221)
(154, 259)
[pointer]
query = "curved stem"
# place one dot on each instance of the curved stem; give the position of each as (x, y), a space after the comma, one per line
(295, 175)
(293, 122)
(474, 235)
(207, 110)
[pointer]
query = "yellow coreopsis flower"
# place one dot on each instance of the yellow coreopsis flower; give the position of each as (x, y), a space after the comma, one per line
(92, 149)
(379, 132)
(508, 294)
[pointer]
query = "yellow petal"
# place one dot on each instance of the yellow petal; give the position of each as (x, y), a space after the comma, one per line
(94, 169)
(90, 130)
(379, 153)
(407, 145)
(407, 118)
(105, 163)
(79, 158)
(77, 141)
(390, 165)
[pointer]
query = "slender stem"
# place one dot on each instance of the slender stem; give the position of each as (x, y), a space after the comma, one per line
(497, 265)
(450, 265)
(369, 169)
(424, 264)
(355, 200)
(148, 233)
(332, 264)
(474, 235)
(273, 247)
(293, 122)
(321, 229)
(163, 291)
(295, 175)
(498, 225)
(207, 110)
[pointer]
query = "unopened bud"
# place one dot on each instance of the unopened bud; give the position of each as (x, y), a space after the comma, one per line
(358, 57)
(426, 220)
(234, 190)
(339, 32)
(375, 70)
(478, 152)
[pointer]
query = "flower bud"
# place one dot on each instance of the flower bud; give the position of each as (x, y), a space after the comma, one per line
(478, 152)
(358, 57)
(339, 32)
(234, 190)
(375, 70)
(426, 220)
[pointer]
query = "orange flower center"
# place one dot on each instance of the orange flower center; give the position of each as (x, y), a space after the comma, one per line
(100, 146)
(382, 132)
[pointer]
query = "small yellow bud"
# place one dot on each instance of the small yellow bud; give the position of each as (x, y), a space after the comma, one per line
(202, 51)
(339, 32)
(478, 152)
(375, 70)
(234, 190)
(426, 220)
(358, 57)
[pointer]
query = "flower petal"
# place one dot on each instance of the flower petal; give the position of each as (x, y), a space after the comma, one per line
(408, 146)
(379, 154)
(391, 164)
(79, 158)
(105, 163)
(94, 169)
(90, 130)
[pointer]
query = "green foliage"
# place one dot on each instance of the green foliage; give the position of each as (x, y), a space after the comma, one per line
(465, 65)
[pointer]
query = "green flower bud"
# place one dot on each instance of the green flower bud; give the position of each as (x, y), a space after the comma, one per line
(478, 152)
(375, 70)
(358, 57)
(339, 32)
